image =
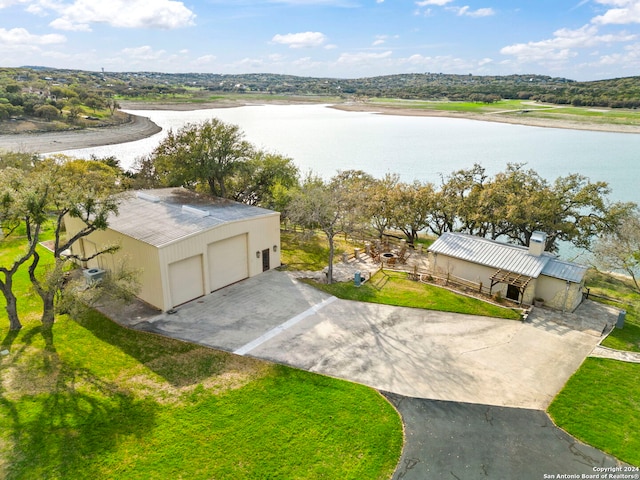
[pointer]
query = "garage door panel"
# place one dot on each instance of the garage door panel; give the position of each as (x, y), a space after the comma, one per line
(185, 280)
(228, 261)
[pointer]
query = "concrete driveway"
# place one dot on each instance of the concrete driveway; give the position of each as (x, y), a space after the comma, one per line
(411, 352)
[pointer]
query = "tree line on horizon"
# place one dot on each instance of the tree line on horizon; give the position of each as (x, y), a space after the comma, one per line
(32, 91)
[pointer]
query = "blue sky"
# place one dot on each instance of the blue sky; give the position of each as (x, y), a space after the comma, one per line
(580, 39)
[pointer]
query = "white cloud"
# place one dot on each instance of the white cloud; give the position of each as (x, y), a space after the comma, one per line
(467, 12)
(563, 44)
(68, 25)
(627, 11)
(362, 58)
(204, 60)
(22, 37)
(439, 3)
(161, 14)
(381, 39)
(300, 40)
(460, 11)
(143, 53)
(8, 3)
(334, 3)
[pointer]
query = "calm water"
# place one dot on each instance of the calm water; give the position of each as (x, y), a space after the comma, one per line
(325, 140)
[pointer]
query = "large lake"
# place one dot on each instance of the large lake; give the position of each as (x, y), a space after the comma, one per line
(325, 140)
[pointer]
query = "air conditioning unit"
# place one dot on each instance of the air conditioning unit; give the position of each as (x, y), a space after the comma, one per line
(93, 275)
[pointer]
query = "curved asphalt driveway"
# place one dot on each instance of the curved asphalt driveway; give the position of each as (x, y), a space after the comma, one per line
(453, 440)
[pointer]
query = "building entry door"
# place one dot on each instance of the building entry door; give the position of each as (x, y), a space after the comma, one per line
(513, 293)
(265, 260)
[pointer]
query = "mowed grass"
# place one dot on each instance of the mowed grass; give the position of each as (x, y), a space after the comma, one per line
(101, 401)
(310, 250)
(395, 288)
(527, 108)
(600, 405)
(622, 289)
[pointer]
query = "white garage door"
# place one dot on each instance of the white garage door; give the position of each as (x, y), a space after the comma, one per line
(228, 262)
(185, 280)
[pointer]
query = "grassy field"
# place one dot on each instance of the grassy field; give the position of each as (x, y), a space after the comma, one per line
(520, 107)
(394, 288)
(100, 401)
(600, 404)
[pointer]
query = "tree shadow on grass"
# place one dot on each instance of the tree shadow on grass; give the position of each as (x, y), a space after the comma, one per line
(178, 362)
(63, 426)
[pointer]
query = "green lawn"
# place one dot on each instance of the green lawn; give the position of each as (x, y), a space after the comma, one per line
(310, 251)
(627, 338)
(520, 107)
(600, 405)
(101, 401)
(394, 288)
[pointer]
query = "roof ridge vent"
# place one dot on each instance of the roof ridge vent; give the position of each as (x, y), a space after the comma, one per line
(148, 197)
(195, 211)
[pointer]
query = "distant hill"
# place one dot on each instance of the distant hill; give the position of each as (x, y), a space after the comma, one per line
(28, 87)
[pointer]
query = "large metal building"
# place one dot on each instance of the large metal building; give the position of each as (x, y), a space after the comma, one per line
(184, 245)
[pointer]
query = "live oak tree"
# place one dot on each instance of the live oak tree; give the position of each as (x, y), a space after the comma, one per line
(517, 201)
(328, 206)
(81, 189)
(41, 197)
(411, 206)
(263, 179)
(204, 155)
(378, 205)
(21, 210)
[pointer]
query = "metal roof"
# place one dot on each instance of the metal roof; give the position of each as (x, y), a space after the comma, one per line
(563, 270)
(157, 217)
(512, 258)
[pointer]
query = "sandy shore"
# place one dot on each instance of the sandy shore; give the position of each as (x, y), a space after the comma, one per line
(141, 127)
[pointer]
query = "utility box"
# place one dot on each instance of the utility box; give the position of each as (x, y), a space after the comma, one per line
(357, 279)
(621, 316)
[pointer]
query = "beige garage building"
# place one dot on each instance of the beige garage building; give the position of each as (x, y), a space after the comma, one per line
(519, 273)
(184, 245)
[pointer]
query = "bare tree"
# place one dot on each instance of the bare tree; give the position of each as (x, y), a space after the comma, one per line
(620, 250)
(327, 206)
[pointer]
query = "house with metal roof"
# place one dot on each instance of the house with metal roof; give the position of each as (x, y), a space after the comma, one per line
(515, 272)
(185, 245)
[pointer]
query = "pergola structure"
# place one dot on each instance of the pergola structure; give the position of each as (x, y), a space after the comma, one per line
(517, 280)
